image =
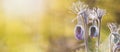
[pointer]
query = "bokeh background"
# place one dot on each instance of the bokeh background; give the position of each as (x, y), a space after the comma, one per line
(46, 25)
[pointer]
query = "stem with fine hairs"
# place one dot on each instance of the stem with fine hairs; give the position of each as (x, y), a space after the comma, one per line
(99, 26)
(86, 36)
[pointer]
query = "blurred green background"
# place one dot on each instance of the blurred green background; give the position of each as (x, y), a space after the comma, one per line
(46, 25)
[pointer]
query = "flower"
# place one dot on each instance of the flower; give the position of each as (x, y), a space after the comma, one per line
(115, 36)
(93, 31)
(79, 32)
(85, 15)
(100, 13)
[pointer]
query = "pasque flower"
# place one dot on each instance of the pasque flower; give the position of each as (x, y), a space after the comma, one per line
(79, 32)
(86, 15)
(93, 31)
(114, 36)
(100, 13)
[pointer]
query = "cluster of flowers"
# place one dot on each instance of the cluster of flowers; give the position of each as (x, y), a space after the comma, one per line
(114, 36)
(85, 16)
(93, 16)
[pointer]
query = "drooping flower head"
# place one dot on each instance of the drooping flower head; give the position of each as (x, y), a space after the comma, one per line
(79, 32)
(114, 36)
(79, 8)
(114, 33)
(93, 31)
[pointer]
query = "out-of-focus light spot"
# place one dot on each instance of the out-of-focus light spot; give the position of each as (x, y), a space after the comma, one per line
(23, 7)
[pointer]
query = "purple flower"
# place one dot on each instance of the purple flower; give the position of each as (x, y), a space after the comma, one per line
(79, 32)
(85, 15)
(100, 13)
(96, 13)
(93, 31)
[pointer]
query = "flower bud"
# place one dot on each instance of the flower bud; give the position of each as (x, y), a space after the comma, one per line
(79, 32)
(93, 31)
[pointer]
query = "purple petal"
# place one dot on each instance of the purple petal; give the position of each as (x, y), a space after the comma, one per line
(79, 32)
(100, 13)
(85, 14)
(93, 31)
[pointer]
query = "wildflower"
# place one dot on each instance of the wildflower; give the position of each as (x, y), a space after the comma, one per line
(115, 36)
(85, 15)
(93, 31)
(79, 32)
(100, 13)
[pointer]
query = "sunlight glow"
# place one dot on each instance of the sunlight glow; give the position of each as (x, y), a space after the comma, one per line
(23, 7)
(29, 48)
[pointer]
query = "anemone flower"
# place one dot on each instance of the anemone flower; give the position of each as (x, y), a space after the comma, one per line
(79, 32)
(100, 13)
(95, 15)
(93, 31)
(85, 14)
(82, 20)
(116, 42)
(110, 26)
(79, 28)
(80, 9)
(114, 37)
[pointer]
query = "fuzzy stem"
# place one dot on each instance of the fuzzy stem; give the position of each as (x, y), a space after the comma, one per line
(86, 38)
(110, 43)
(99, 26)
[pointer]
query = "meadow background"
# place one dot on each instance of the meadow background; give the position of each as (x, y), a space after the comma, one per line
(46, 25)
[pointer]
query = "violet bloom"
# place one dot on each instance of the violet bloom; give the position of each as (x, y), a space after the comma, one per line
(116, 42)
(79, 8)
(93, 31)
(85, 15)
(79, 32)
(114, 37)
(100, 13)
